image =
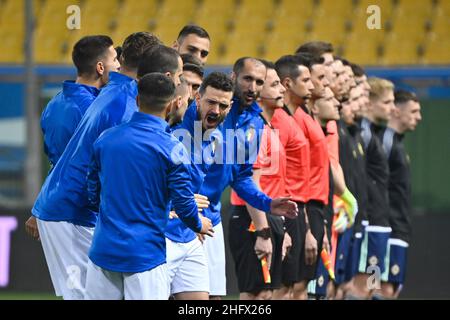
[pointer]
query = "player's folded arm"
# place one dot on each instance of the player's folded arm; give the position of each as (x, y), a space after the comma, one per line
(182, 197)
(93, 181)
(245, 187)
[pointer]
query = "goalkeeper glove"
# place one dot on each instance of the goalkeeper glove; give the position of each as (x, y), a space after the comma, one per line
(350, 205)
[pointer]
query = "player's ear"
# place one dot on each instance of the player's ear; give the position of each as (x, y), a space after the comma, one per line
(287, 83)
(233, 76)
(175, 45)
(100, 68)
(179, 102)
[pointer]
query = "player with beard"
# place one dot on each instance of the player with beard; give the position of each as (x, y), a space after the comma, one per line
(269, 171)
(245, 125)
(186, 259)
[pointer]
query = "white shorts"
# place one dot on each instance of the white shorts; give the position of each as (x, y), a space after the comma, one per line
(66, 248)
(187, 265)
(215, 254)
(102, 284)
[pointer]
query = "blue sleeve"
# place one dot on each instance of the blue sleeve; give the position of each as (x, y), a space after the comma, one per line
(181, 195)
(58, 135)
(67, 130)
(246, 188)
(93, 180)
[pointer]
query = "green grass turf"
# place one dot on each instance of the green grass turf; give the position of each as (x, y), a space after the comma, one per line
(27, 296)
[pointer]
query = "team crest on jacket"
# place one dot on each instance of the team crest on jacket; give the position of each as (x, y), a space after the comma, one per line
(360, 148)
(395, 270)
(320, 281)
(251, 133)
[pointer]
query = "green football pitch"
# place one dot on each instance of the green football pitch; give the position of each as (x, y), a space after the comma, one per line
(27, 296)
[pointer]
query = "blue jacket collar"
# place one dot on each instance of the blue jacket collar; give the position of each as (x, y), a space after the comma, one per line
(149, 121)
(71, 88)
(118, 78)
(253, 108)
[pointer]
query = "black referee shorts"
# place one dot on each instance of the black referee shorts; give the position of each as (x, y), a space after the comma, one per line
(242, 246)
(291, 263)
(315, 211)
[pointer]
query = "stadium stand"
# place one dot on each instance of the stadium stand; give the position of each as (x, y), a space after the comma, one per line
(413, 31)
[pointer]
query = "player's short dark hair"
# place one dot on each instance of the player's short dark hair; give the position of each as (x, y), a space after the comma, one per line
(118, 51)
(240, 63)
(158, 59)
(155, 91)
(316, 48)
(217, 80)
(268, 64)
(358, 71)
(192, 64)
(287, 66)
(134, 47)
(308, 59)
(403, 96)
(344, 61)
(88, 51)
(192, 29)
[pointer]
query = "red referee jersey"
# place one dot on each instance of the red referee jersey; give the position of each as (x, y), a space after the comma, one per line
(297, 155)
(271, 161)
(319, 158)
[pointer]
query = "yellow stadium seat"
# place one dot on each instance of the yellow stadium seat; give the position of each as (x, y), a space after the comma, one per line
(441, 23)
(267, 28)
(331, 28)
(294, 9)
(411, 15)
(437, 50)
(399, 50)
(97, 17)
(239, 46)
(360, 29)
(215, 17)
(12, 33)
(172, 16)
(278, 45)
(386, 7)
(142, 13)
(250, 30)
(362, 50)
(333, 8)
(52, 33)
